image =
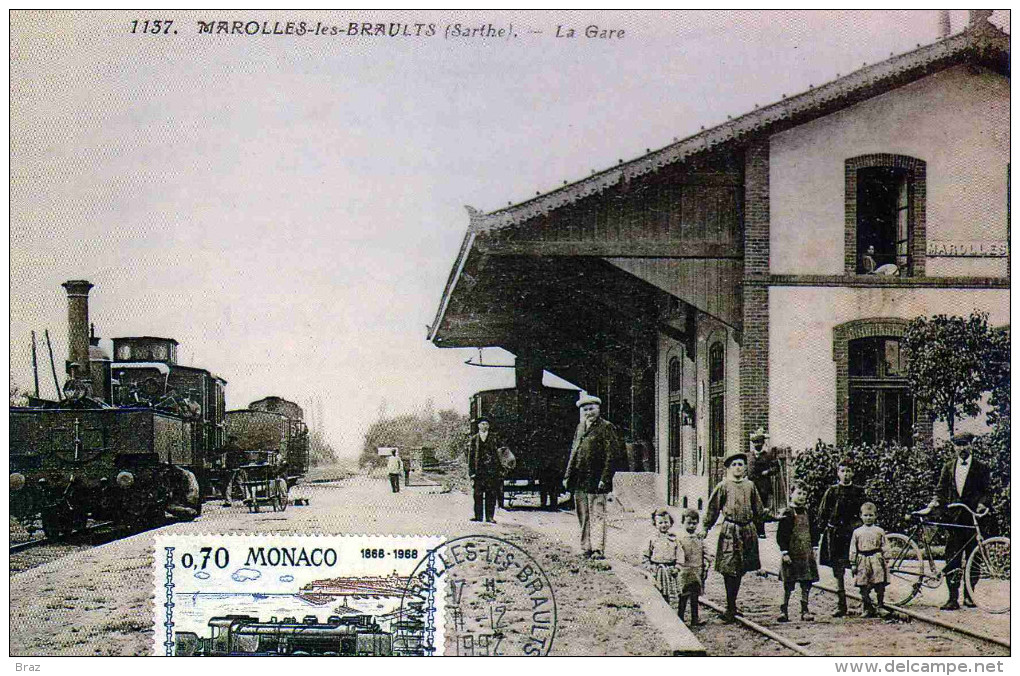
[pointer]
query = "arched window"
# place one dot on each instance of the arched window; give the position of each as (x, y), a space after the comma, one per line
(873, 399)
(717, 399)
(676, 386)
(885, 215)
(676, 375)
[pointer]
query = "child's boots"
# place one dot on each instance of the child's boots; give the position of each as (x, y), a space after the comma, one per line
(841, 605)
(784, 613)
(805, 614)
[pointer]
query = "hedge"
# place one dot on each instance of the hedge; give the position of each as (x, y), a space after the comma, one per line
(901, 479)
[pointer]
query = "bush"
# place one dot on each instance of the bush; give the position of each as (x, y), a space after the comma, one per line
(900, 480)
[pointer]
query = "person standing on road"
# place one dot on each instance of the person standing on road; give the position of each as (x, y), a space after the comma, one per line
(485, 471)
(839, 514)
(869, 556)
(797, 538)
(737, 500)
(394, 467)
(965, 480)
(594, 454)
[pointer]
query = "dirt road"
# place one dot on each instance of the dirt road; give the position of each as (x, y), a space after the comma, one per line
(100, 601)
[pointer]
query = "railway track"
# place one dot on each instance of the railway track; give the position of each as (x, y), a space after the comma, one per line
(914, 615)
(32, 553)
(40, 542)
(799, 646)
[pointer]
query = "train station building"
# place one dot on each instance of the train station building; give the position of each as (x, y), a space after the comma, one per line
(761, 273)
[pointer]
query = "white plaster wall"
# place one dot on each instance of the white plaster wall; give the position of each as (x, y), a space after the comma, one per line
(802, 374)
(957, 121)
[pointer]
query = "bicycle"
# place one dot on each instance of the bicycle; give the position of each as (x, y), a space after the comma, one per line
(986, 572)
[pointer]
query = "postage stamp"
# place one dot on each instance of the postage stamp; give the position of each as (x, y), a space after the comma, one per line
(487, 332)
(234, 595)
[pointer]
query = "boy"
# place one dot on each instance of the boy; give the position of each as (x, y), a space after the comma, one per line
(868, 552)
(737, 500)
(839, 514)
(692, 567)
(797, 539)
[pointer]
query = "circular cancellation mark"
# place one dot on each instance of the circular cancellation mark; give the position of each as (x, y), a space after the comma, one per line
(477, 595)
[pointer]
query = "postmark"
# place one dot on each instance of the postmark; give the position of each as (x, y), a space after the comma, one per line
(262, 595)
(497, 599)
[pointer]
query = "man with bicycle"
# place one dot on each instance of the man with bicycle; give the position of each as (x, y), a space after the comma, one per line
(964, 480)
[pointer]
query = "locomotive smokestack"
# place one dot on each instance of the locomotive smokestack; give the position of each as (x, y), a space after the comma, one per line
(78, 327)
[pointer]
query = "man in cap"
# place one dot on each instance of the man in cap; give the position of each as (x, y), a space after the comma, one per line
(485, 470)
(394, 468)
(736, 499)
(596, 449)
(963, 480)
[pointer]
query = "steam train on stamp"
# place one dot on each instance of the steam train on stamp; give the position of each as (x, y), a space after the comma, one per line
(355, 635)
(134, 436)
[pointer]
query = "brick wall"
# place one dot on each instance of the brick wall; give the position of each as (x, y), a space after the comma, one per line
(754, 352)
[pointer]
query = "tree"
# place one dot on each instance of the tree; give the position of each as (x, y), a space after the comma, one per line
(18, 398)
(996, 379)
(946, 364)
(446, 432)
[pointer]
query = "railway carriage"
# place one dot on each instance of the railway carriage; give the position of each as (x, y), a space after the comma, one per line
(538, 426)
(271, 425)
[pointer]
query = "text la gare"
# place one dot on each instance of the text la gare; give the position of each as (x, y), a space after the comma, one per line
(592, 31)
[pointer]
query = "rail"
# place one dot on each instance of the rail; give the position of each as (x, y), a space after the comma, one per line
(754, 626)
(917, 616)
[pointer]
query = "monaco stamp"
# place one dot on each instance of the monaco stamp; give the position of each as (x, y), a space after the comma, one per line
(497, 332)
(262, 595)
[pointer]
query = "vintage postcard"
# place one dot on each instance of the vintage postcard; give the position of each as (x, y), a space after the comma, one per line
(511, 333)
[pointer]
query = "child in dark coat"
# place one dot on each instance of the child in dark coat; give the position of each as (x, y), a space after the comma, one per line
(838, 515)
(797, 539)
(692, 565)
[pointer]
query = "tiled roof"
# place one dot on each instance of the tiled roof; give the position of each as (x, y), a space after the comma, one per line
(979, 40)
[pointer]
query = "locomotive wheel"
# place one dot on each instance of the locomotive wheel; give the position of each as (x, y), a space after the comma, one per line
(56, 523)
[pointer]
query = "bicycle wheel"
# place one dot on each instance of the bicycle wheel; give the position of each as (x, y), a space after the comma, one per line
(906, 570)
(988, 575)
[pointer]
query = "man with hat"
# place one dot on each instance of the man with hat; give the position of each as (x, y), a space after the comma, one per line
(964, 480)
(485, 470)
(596, 449)
(737, 500)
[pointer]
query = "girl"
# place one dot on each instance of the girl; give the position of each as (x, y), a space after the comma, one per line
(737, 500)
(797, 538)
(660, 558)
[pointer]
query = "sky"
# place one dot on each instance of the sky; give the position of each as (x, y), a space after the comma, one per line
(289, 208)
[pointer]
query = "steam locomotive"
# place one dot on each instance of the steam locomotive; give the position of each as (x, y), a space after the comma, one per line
(245, 635)
(133, 437)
